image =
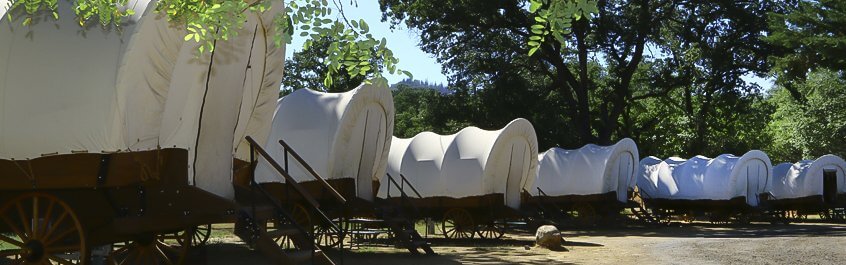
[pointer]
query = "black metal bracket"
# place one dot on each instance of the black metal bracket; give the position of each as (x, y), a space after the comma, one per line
(142, 200)
(103, 173)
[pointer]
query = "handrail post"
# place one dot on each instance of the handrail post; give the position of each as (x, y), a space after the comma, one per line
(253, 178)
(286, 158)
(287, 185)
(311, 171)
(290, 183)
(389, 185)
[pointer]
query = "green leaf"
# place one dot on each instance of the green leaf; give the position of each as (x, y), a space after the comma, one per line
(534, 6)
(364, 26)
(533, 50)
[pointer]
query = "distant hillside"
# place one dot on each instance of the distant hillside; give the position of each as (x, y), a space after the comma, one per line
(424, 85)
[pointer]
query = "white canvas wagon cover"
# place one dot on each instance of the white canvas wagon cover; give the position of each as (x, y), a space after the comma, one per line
(340, 135)
(66, 89)
(805, 178)
(472, 162)
(700, 178)
(590, 170)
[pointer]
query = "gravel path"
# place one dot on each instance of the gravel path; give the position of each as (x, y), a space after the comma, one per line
(688, 244)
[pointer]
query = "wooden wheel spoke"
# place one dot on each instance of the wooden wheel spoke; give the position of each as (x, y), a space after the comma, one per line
(166, 247)
(35, 224)
(55, 225)
(63, 235)
(163, 256)
(11, 252)
(43, 226)
(37, 221)
(60, 260)
(14, 228)
(23, 216)
(62, 249)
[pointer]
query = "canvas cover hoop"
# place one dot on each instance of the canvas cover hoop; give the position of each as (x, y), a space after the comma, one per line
(722, 178)
(139, 88)
(590, 170)
(472, 162)
(340, 135)
(805, 178)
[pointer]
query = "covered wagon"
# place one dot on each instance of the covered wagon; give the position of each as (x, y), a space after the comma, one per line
(587, 182)
(811, 186)
(332, 145)
(125, 133)
(725, 186)
(470, 179)
(342, 137)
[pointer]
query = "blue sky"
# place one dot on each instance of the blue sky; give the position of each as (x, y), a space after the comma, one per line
(401, 41)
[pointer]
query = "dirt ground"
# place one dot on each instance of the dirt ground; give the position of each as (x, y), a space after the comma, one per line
(677, 244)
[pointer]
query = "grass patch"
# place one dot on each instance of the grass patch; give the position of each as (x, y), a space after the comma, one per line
(5, 245)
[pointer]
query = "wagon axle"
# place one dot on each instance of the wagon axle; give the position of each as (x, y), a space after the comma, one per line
(33, 251)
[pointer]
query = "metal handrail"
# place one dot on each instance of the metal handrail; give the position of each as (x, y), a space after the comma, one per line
(541, 200)
(290, 180)
(287, 148)
(402, 177)
(401, 187)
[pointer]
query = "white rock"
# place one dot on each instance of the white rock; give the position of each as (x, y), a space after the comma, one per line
(548, 236)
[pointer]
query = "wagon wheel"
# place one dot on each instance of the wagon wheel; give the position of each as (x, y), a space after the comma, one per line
(152, 250)
(585, 214)
(779, 217)
(832, 215)
(326, 236)
(200, 235)
(741, 219)
(795, 216)
(662, 217)
(45, 230)
(301, 216)
(824, 215)
(801, 216)
(838, 214)
(458, 224)
(687, 217)
(719, 218)
(492, 230)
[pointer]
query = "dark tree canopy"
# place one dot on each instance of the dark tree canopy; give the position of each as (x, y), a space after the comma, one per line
(673, 75)
(809, 35)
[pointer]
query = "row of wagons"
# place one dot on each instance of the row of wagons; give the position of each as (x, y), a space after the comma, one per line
(478, 181)
(126, 133)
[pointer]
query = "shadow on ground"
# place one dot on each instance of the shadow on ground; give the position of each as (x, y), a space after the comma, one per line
(707, 230)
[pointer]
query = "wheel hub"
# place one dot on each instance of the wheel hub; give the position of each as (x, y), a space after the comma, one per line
(33, 251)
